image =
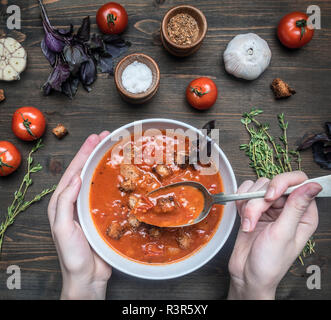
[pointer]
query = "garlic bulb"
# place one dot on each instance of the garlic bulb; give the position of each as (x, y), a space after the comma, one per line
(247, 56)
(13, 59)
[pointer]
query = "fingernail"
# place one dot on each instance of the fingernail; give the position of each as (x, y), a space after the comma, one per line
(270, 193)
(314, 190)
(246, 225)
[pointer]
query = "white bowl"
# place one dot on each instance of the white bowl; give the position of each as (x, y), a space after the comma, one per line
(154, 271)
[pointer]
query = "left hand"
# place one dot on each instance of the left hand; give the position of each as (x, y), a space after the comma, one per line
(84, 273)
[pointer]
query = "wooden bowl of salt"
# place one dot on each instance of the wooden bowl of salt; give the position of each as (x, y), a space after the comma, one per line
(137, 78)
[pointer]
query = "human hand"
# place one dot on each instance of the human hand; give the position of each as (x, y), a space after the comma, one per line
(84, 273)
(274, 230)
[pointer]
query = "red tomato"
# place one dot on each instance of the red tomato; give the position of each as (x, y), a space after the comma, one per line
(28, 123)
(201, 93)
(10, 158)
(112, 18)
(293, 31)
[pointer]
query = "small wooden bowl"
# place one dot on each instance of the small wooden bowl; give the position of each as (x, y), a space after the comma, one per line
(142, 97)
(183, 50)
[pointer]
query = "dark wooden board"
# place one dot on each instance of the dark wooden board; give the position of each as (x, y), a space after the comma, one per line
(29, 244)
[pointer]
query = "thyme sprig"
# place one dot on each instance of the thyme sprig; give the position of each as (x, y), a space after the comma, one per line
(19, 204)
(269, 157)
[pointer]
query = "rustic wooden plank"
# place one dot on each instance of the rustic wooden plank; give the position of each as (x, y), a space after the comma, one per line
(29, 244)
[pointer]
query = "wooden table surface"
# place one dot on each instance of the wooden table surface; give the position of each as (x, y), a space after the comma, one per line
(28, 242)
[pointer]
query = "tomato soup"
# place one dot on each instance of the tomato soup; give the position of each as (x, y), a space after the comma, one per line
(168, 207)
(117, 188)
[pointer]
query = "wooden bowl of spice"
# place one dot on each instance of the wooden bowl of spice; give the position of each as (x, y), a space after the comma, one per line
(137, 78)
(183, 29)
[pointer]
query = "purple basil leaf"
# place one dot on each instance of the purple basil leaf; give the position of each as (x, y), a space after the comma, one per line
(319, 156)
(88, 73)
(46, 89)
(60, 74)
(328, 128)
(75, 56)
(115, 45)
(96, 42)
(108, 38)
(44, 15)
(308, 141)
(327, 149)
(116, 50)
(52, 43)
(87, 88)
(50, 55)
(105, 65)
(70, 86)
(97, 47)
(83, 33)
(115, 40)
(66, 33)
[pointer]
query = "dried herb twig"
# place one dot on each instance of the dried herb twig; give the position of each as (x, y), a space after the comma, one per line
(268, 157)
(19, 204)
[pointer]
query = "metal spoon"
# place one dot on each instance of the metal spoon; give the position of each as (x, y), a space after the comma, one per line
(221, 198)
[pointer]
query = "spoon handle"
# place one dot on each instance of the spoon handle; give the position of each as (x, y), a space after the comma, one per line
(324, 181)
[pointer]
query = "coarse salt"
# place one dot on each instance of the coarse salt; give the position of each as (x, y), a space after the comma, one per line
(137, 77)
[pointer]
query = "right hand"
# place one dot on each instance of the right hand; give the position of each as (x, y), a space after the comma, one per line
(274, 231)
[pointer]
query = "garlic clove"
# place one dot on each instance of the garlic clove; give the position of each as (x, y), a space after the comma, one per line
(13, 59)
(9, 74)
(17, 64)
(19, 53)
(247, 56)
(11, 44)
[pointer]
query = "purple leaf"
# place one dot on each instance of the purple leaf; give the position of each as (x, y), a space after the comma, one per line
(53, 43)
(59, 75)
(115, 45)
(66, 33)
(115, 40)
(310, 140)
(50, 55)
(105, 65)
(319, 156)
(44, 15)
(83, 33)
(96, 43)
(116, 51)
(328, 128)
(70, 86)
(75, 56)
(46, 89)
(88, 73)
